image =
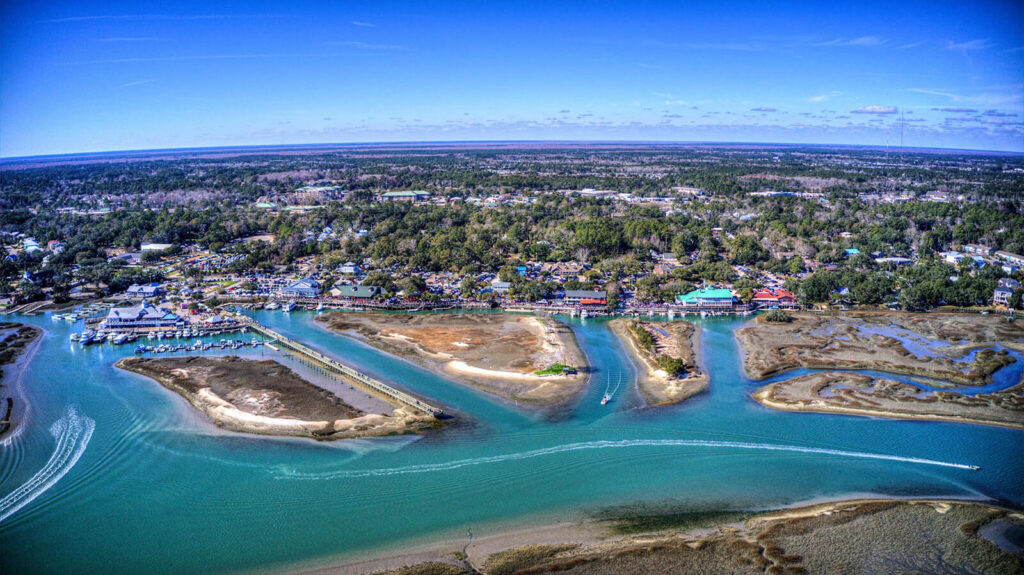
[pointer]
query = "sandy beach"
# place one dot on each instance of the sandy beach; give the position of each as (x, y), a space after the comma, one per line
(497, 353)
(678, 339)
(863, 535)
(265, 397)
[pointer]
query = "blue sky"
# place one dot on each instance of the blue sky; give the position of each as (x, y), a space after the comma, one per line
(96, 76)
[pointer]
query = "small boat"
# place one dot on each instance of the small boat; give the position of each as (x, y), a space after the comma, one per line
(74, 336)
(290, 306)
(606, 399)
(671, 314)
(273, 305)
(140, 350)
(151, 335)
(121, 338)
(320, 306)
(583, 314)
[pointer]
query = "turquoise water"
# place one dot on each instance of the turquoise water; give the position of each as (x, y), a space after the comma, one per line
(112, 473)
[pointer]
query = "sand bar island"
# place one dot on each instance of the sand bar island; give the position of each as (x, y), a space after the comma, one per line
(525, 358)
(267, 398)
(667, 356)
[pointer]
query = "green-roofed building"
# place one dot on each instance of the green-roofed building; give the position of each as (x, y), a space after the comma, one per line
(407, 196)
(708, 299)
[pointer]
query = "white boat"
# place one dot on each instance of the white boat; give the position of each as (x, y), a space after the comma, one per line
(151, 335)
(606, 399)
(273, 305)
(290, 306)
(583, 314)
(671, 314)
(320, 306)
(74, 336)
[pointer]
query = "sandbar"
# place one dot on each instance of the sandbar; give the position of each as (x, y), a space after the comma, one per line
(495, 352)
(677, 339)
(265, 397)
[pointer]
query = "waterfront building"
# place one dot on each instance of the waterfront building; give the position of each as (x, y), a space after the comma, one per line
(585, 297)
(778, 298)
(1001, 296)
(708, 299)
(306, 287)
(142, 316)
(355, 293)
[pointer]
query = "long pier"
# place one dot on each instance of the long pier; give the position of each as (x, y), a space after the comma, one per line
(328, 363)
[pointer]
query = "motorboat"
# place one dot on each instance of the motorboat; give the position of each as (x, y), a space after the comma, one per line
(606, 399)
(290, 306)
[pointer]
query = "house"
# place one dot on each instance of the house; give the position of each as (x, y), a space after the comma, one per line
(585, 297)
(500, 287)
(349, 268)
(408, 196)
(142, 316)
(30, 246)
(355, 292)
(1001, 296)
(306, 287)
(145, 290)
(1010, 258)
(708, 299)
(953, 257)
(978, 250)
(850, 252)
(778, 298)
(1009, 283)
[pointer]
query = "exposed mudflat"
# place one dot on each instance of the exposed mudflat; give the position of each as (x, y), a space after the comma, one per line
(962, 349)
(861, 536)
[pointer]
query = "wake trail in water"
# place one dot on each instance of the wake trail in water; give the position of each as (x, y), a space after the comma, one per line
(434, 467)
(72, 432)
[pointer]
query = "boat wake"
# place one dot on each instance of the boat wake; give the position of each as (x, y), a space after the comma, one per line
(433, 467)
(72, 432)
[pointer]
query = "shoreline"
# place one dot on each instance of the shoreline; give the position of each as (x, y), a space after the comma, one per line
(652, 380)
(226, 415)
(13, 366)
(593, 540)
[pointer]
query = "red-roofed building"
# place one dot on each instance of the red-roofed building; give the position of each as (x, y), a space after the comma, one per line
(779, 298)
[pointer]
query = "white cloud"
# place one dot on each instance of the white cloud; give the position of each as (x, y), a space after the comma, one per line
(880, 110)
(980, 44)
(362, 24)
(861, 41)
(824, 97)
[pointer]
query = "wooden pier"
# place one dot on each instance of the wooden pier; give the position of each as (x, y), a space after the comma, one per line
(325, 362)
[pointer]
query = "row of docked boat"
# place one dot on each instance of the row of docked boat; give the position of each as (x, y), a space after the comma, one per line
(285, 307)
(198, 346)
(89, 337)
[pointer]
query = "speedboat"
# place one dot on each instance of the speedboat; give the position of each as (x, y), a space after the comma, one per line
(606, 399)
(290, 306)
(74, 336)
(320, 306)
(273, 305)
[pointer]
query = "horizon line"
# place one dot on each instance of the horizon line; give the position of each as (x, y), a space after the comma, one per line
(469, 143)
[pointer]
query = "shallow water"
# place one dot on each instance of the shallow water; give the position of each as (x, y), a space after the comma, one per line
(156, 488)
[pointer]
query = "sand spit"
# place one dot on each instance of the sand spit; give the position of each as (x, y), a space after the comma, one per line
(869, 341)
(16, 341)
(497, 353)
(265, 397)
(681, 339)
(859, 536)
(861, 394)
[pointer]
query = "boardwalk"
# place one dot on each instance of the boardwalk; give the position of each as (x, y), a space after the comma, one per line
(328, 363)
